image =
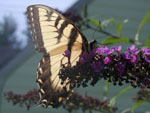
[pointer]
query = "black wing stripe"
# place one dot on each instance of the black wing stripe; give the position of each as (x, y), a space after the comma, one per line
(57, 21)
(73, 37)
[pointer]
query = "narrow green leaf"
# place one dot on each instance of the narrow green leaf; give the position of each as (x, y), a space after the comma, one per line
(126, 110)
(148, 41)
(137, 104)
(96, 22)
(104, 23)
(143, 22)
(106, 87)
(111, 40)
(112, 20)
(120, 26)
(114, 99)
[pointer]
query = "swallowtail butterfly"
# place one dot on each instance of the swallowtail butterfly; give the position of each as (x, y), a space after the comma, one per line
(53, 34)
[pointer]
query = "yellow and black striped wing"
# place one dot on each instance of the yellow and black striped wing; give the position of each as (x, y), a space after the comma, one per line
(53, 34)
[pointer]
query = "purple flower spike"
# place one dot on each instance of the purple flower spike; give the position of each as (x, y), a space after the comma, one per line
(127, 55)
(97, 66)
(131, 48)
(107, 60)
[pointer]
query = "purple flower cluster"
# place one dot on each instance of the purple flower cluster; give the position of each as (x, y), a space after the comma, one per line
(74, 102)
(99, 53)
(132, 55)
(132, 66)
(29, 99)
(87, 103)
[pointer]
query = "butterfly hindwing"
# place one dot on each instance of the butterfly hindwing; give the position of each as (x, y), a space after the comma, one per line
(53, 34)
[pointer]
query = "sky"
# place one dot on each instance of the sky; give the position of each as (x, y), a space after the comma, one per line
(17, 8)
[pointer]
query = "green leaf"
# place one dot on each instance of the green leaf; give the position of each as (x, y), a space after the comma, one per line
(137, 104)
(143, 22)
(104, 23)
(111, 40)
(114, 99)
(112, 20)
(148, 41)
(120, 26)
(96, 22)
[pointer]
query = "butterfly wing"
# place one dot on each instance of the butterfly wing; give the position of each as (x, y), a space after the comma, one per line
(53, 34)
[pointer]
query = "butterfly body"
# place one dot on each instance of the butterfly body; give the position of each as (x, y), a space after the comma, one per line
(53, 34)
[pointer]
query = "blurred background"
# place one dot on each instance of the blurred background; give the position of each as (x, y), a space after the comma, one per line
(19, 60)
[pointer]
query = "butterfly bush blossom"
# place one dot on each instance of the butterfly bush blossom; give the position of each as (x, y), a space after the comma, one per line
(131, 66)
(75, 102)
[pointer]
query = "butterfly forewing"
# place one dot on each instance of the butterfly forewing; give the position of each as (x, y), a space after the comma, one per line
(53, 34)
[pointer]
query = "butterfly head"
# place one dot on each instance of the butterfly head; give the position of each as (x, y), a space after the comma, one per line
(92, 45)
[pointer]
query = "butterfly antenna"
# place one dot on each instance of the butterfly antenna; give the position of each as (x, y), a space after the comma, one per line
(96, 30)
(100, 37)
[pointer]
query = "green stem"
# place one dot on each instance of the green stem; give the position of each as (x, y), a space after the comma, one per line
(114, 99)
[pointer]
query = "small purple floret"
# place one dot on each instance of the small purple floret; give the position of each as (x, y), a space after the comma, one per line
(98, 66)
(148, 58)
(145, 81)
(101, 50)
(121, 68)
(117, 48)
(67, 54)
(85, 57)
(146, 51)
(133, 59)
(107, 60)
(110, 51)
(135, 51)
(132, 47)
(127, 55)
